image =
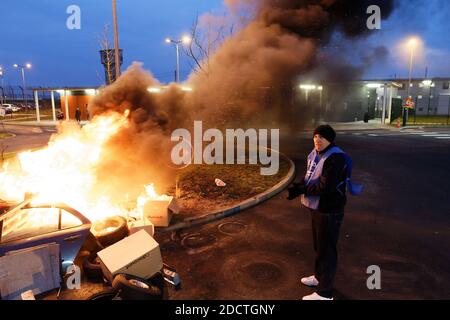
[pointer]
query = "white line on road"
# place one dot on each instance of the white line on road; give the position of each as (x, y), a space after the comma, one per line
(435, 135)
(373, 135)
(443, 137)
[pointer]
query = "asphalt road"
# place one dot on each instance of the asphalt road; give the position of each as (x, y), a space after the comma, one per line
(401, 223)
(25, 137)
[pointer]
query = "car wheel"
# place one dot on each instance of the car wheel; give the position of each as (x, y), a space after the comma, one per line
(107, 294)
(92, 268)
(135, 288)
(110, 230)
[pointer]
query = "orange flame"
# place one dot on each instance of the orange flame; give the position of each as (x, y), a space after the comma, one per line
(65, 171)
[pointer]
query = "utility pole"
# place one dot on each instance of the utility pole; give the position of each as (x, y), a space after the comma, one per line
(116, 40)
(412, 44)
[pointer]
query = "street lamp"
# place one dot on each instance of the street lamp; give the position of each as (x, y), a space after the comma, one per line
(184, 40)
(429, 84)
(23, 67)
(1, 76)
(412, 43)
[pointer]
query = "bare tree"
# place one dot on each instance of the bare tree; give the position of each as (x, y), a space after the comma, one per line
(204, 43)
(3, 148)
(107, 54)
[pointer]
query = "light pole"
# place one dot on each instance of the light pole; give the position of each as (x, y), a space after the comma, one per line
(429, 84)
(184, 40)
(1, 76)
(23, 67)
(411, 43)
(116, 40)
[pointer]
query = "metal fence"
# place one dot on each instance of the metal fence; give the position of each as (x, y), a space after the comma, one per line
(17, 95)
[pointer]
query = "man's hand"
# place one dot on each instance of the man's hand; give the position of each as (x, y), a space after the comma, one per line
(296, 190)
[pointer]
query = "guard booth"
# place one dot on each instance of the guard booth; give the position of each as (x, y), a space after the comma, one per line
(73, 98)
(70, 98)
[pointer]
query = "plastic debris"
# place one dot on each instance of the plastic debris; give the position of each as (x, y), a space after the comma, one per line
(220, 183)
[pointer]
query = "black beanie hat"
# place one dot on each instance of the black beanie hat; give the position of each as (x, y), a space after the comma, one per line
(326, 131)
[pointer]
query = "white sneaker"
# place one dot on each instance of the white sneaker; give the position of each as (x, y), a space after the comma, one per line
(310, 281)
(315, 296)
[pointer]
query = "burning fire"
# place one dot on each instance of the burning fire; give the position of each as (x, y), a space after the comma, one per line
(65, 171)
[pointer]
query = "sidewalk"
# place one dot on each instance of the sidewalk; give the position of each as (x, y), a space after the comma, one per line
(42, 123)
(361, 125)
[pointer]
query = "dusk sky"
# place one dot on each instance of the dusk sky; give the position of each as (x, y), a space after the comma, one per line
(35, 31)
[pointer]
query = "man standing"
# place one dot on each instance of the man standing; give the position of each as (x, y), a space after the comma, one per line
(78, 114)
(322, 192)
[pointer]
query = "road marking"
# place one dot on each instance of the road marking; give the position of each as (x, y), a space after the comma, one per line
(357, 133)
(443, 137)
(435, 135)
(421, 133)
(373, 135)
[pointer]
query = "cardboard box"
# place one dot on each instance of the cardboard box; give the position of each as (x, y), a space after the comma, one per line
(137, 255)
(138, 225)
(157, 211)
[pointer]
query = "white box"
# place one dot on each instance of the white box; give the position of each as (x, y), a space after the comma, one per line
(137, 255)
(158, 212)
(138, 225)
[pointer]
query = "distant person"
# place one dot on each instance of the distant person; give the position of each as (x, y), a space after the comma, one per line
(323, 193)
(78, 114)
(87, 113)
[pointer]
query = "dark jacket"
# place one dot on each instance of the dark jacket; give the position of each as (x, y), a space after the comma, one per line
(333, 173)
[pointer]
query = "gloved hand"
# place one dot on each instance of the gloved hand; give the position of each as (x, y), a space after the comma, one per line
(296, 190)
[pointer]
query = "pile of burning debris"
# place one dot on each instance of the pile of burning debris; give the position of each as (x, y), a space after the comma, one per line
(118, 250)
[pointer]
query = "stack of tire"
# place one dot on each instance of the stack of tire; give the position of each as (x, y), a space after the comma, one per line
(124, 286)
(103, 234)
(128, 287)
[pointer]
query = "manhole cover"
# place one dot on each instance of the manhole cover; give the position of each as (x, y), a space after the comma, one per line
(263, 271)
(232, 228)
(198, 240)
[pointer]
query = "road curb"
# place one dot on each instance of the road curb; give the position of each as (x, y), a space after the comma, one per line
(12, 135)
(223, 213)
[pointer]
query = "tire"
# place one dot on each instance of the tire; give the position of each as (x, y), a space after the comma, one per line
(135, 288)
(107, 238)
(107, 294)
(92, 268)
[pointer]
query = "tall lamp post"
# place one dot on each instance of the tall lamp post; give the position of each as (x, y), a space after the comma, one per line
(116, 40)
(428, 84)
(185, 40)
(1, 76)
(412, 44)
(23, 67)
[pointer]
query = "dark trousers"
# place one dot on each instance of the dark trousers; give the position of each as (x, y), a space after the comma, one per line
(325, 229)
